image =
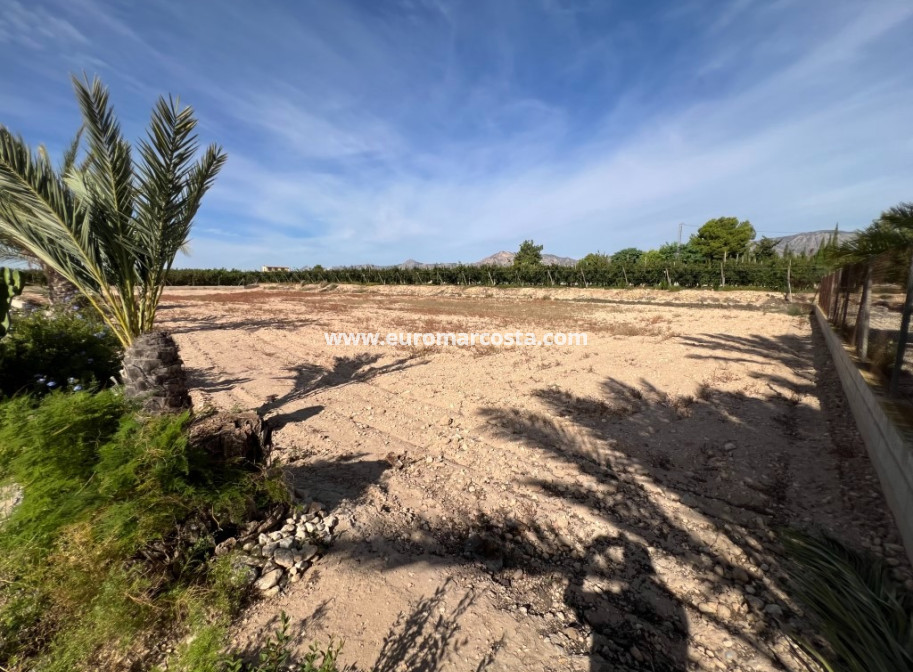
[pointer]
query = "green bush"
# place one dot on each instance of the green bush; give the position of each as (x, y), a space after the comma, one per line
(57, 351)
(101, 488)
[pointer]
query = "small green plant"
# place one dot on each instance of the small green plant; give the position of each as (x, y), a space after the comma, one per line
(277, 656)
(865, 616)
(10, 286)
(65, 350)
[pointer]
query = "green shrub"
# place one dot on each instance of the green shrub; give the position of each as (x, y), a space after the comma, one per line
(102, 488)
(66, 350)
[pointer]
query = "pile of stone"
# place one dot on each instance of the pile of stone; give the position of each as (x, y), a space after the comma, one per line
(276, 558)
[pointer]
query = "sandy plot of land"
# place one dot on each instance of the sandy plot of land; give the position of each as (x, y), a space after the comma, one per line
(607, 507)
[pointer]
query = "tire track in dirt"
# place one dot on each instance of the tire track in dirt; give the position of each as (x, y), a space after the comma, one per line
(606, 508)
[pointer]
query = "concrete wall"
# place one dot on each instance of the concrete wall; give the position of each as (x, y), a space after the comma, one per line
(890, 446)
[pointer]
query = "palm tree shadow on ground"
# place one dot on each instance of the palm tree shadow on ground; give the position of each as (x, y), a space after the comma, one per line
(418, 641)
(307, 379)
(611, 583)
(604, 458)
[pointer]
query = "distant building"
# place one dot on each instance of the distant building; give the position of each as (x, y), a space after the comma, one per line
(270, 269)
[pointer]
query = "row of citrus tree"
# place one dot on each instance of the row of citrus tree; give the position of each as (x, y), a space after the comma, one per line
(776, 274)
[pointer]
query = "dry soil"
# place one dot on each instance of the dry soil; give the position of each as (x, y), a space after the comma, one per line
(606, 507)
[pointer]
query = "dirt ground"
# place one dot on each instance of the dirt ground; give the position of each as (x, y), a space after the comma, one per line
(604, 507)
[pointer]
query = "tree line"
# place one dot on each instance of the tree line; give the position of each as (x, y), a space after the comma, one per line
(773, 275)
(719, 239)
(720, 254)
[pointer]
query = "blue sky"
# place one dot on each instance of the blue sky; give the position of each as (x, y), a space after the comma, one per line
(446, 130)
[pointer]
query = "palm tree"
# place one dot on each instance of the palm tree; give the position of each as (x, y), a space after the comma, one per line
(861, 251)
(898, 223)
(61, 293)
(890, 234)
(112, 225)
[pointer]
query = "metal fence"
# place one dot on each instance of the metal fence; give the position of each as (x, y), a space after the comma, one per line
(866, 303)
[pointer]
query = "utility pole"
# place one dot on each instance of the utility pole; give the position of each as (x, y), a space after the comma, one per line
(678, 250)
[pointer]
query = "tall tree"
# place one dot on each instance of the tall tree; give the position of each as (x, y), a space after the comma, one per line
(890, 234)
(594, 261)
(652, 257)
(113, 226)
(896, 233)
(61, 293)
(764, 249)
(628, 256)
(685, 254)
(723, 237)
(528, 255)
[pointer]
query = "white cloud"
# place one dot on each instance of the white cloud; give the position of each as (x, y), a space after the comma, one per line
(356, 136)
(34, 27)
(763, 153)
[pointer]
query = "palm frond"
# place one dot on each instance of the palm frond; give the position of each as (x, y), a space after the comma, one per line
(42, 217)
(865, 616)
(892, 232)
(110, 163)
(108, 184)
(170, 188)
(69, 156)
(108, 225)
(899, 217)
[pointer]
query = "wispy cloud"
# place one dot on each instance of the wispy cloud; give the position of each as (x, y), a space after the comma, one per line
(434, 130)
(35, 27)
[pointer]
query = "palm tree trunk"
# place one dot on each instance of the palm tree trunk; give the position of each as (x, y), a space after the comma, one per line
(61, 292)
(154, 374)
(902, 336)
(835, 288)
(844, 309)
(864, 316)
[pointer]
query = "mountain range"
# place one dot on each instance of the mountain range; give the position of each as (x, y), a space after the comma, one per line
(797, 243)
(502, 258)
(809, 243)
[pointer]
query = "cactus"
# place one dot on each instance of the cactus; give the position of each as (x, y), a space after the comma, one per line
(10, 286)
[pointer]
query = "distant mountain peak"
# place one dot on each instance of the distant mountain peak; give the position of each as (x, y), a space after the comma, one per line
(502, 258)
(810, 242)
(807, 243)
